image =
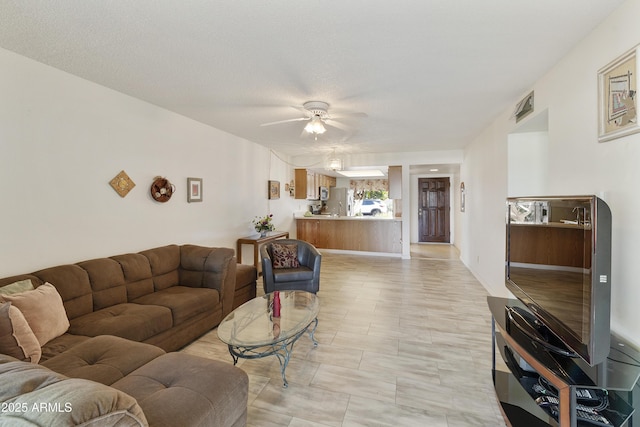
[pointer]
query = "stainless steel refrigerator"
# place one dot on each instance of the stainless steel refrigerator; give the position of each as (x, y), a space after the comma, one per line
(340, 202)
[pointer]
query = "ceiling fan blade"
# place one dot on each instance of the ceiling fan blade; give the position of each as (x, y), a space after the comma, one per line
(285, 121)
(347, 114)
(338, 125)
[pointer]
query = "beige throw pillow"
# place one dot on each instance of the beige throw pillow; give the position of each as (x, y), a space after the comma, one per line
(16, 337)
(43, 310)
(16, 287)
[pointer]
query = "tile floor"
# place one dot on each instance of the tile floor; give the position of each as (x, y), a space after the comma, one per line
(402, 343)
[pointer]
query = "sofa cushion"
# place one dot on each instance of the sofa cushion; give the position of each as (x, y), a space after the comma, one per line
(16, 287)
(67, 399)
(104, 359)
(164, 263)
(107, 282)
(16, 337)
(137, 274)
(72, 283)
(60, 345)
(44, 311)
(183, 302)
(202, 267)
(132, 321)
(284, 256)
(207, 392)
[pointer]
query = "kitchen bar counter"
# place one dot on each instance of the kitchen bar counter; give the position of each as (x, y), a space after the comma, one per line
(348, 218)
(354, 233)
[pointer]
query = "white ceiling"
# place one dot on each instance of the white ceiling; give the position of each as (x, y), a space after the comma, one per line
(429, 74)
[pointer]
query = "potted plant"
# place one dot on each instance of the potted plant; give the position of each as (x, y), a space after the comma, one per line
(263, 224)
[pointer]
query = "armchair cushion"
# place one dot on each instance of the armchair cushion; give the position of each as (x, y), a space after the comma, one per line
(285, 256)
(293, 274)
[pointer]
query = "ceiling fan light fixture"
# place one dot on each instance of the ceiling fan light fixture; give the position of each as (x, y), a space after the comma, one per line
(315, 126)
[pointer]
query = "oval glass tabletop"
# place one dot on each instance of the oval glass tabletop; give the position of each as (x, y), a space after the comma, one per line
(253, 324)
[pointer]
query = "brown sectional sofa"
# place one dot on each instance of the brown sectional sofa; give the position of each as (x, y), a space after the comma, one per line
(246, 278)
(125, 312)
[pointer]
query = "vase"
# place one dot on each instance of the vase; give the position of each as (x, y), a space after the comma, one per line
(263, 234)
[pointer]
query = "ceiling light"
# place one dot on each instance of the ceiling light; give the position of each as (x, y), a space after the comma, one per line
(362, 173)
(433, 170)
(315, 126)
(334, 163)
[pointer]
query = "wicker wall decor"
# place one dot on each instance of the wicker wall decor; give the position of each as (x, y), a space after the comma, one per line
(162, 189)
(122, 184)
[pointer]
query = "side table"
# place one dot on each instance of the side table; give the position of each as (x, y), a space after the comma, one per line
(256, 241)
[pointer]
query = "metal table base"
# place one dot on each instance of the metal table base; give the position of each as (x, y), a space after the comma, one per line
(281, 349)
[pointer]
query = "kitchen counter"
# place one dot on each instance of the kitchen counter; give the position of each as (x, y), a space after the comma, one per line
(354, 233)
(348, 218)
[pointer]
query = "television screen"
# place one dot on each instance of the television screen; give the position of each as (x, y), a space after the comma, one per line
(558, 264)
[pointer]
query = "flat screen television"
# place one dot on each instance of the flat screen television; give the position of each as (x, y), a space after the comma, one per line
(558, 264)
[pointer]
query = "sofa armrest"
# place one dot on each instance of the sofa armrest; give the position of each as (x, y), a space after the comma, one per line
(215, 268)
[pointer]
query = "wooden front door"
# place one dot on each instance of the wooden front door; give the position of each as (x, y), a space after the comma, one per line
(433, 210)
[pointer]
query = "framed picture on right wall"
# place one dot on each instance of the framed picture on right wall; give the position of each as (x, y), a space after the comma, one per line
(618, 97)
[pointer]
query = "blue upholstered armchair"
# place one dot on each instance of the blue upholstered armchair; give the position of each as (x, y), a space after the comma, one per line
(279, 275)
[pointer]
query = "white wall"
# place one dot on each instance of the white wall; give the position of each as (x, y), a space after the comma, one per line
(62, 139)
(528, 160)
(577, 164)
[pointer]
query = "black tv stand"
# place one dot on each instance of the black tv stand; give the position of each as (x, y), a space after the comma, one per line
(537, 386)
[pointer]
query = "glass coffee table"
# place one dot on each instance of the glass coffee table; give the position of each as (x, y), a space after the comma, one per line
(252, 331)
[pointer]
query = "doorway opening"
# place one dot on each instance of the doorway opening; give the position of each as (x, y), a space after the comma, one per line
(433, 210)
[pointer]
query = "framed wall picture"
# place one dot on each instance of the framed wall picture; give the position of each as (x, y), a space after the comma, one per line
(194, 190)
(274, 189)
(618, 100)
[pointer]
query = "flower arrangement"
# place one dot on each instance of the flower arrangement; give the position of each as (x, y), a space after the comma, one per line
(263, 224)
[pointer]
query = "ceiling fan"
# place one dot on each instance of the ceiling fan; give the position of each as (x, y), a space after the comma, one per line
(317, 114)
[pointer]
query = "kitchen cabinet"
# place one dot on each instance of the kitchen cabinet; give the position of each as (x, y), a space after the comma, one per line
(308, 182)
(304, 185)
(326, 181)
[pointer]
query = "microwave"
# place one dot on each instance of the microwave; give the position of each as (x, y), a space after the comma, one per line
(324, 193)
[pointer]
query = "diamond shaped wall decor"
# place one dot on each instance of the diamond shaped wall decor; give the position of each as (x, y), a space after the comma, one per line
(122, 183)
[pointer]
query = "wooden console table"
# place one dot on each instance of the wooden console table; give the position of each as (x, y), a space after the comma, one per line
(256, 241)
